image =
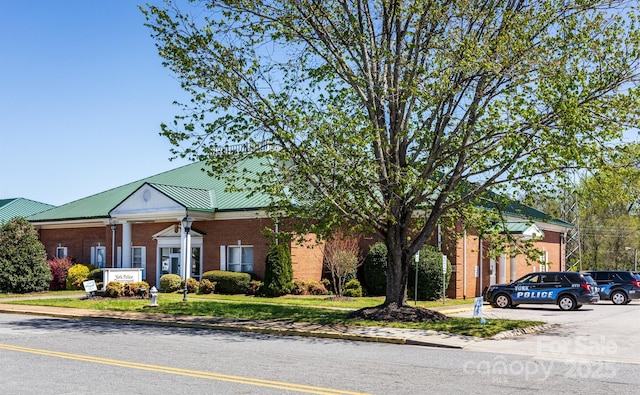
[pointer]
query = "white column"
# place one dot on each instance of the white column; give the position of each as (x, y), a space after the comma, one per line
(126, 244)
(514, 271)
(185, 253)
(502, 269)
(187, 262)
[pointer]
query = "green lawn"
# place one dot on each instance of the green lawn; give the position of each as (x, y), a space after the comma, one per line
(296, 309)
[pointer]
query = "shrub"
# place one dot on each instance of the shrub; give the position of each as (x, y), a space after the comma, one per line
(228, 282)
(192, 285)
(206, 287)
(255, 287)
(375, 270)
(170, 283)
(353, 289)
(278, 276)
(133, 289)
(59, 269)
(429, 275)
(76, 275)
(114, 289)
(23, 259)
(301, 287)
(95, 275)
(317, 288)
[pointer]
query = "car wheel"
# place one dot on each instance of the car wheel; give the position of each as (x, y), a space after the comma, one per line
(619, 297)
(502, 301)
(566, 302)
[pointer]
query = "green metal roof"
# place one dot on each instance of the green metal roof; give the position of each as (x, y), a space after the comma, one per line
(188, 185)
(20, 207)
(192, 187)
(516, 209)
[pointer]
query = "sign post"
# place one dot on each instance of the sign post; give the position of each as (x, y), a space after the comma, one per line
(415, 298)
(444, 278)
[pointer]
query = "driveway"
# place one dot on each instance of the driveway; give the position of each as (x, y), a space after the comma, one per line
(599, 332)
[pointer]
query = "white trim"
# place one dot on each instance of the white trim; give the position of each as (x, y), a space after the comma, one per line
(223, 257)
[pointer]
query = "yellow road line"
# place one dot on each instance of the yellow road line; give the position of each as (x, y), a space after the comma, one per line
(184, 372)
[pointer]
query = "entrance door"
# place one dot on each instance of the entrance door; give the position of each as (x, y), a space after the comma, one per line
(170, 262)
(175, 264)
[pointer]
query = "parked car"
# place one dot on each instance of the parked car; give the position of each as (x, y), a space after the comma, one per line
(568, 290)
(618, 286)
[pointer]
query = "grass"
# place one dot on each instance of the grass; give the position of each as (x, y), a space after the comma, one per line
(291, 309)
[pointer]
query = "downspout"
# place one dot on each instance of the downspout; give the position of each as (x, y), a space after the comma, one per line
(464, 265)
(563, 252)
(480, 273)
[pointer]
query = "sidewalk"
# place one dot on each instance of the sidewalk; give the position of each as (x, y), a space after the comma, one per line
(278, 328)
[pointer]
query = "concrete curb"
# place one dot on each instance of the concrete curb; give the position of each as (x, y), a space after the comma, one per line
(386, 335)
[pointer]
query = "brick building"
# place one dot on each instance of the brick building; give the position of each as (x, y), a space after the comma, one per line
(138, 225)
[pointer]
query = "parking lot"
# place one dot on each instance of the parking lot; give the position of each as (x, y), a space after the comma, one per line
(597, 332)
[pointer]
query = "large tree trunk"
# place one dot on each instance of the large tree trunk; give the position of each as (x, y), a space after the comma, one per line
(397, 266)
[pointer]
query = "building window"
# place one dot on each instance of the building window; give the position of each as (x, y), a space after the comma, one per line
(98, 256)
(139, 259)
(240, 259)
(61, 252)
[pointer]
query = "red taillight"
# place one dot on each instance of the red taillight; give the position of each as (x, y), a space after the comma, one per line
(586, 286)
(636, 283)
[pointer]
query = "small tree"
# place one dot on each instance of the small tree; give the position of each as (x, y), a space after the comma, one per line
(341, 261)
(278, 277)
(23, 259)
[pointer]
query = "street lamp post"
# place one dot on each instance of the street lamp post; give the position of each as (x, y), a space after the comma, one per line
(635, 257)
(186, 225)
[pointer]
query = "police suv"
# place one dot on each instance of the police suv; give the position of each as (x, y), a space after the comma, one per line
(618, 286)
(569, 290)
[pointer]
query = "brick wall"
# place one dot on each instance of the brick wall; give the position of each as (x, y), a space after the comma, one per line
(551, 244)
(247, 232)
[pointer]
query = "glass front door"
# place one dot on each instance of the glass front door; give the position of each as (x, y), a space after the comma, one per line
(171, 262)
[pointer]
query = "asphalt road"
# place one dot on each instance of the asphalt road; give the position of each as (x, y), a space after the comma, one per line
(598, 332)
(58, 356)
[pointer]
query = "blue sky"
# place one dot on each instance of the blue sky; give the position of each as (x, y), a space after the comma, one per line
(82, 96)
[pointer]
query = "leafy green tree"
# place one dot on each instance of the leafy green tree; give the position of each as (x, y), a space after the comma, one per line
(609, 215)
(23, 259)
(386, 116)
(278, 276)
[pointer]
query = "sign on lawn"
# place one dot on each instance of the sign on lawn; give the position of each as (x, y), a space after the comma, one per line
(89, 286)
